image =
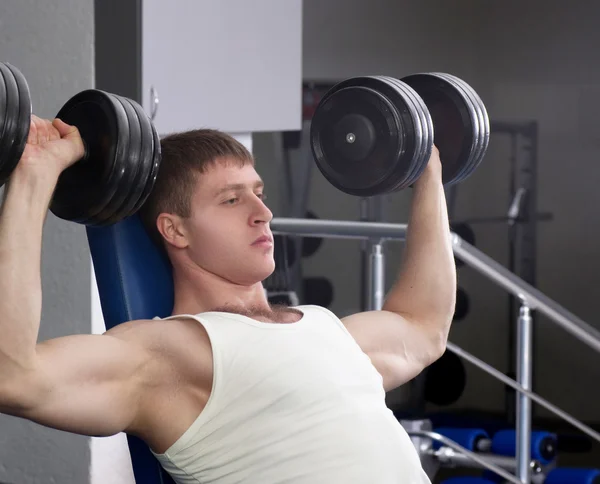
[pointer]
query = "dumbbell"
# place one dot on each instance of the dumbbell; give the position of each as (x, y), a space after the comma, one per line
(122, 151)
(372, 135)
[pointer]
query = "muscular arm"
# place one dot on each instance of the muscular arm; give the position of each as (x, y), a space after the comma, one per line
(412, 329)
(86, 384)
(21, 221)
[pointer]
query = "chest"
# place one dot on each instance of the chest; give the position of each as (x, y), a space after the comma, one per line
(298, 368)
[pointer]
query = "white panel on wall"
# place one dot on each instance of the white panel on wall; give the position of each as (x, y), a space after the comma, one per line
(233, 65)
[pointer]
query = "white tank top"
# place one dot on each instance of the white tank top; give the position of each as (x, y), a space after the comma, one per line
(296, 403)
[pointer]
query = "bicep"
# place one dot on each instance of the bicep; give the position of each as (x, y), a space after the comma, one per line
(86, 384)
(398, 348)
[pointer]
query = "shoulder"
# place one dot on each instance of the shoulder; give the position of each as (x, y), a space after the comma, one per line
(178, 344)
(156, 332)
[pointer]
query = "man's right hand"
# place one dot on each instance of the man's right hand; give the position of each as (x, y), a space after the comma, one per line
(52, 146)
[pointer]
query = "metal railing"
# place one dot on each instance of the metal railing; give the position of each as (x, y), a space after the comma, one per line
(530, 297)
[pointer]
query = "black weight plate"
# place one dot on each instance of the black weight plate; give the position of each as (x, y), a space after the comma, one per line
(401, 174)
(145, 161)
(419, 133)
(117, 183)
(3, 113)
(128, 165)
(477, 123)
(467, 155)
(11, 120)
(355, 140)
(424, 151)
(85, 188)
(427, 130)
(378, 113)
(156, 158)
(445, 380)
(484, 119)
(23, 122)
(409, 164)
(480, 107)
(453, 123)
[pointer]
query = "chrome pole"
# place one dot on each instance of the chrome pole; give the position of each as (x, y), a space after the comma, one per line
(524, 371)
(376, 271)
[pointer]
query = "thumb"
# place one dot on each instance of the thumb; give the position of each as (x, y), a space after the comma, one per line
(65, 130)
(70, 133)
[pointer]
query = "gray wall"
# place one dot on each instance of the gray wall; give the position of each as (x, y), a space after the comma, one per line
(528, 60)
(52, 44)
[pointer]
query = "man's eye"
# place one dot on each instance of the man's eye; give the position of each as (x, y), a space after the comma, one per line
(262, 196)
(231, 201)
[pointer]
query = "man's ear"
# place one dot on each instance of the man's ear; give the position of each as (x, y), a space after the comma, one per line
(172, 229)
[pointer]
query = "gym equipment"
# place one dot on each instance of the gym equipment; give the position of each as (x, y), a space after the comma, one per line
(122, 151)
(134, 282)
(573, 475)
(15, 118)
(372, 135)
(445, 380)
(467, 480)
(543, 445)
(317, 291)
(475, 440)
(462, 305)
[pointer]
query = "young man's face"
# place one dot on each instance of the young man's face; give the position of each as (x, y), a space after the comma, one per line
(228, 230)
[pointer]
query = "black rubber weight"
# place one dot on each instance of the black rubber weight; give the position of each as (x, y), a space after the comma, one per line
(118, 163)
(24, 120)
(2, 106)
(127, 166)
(424, 152)
(477, 122)
(85, 188)
(11, 119)
(146, 161)
(3, 116)
(485, 120)
(392, 136)
(151, 180)
(452, 121)
(406, 167)
(419, 133)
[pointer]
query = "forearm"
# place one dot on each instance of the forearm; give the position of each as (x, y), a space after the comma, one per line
(425, 290)
(22, 216)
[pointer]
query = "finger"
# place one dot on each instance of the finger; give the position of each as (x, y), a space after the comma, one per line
(53, 133)
(32, 137)
(65, 130)
(71, 133)
(42, 130)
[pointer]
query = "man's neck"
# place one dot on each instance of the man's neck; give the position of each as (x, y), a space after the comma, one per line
(207, 292)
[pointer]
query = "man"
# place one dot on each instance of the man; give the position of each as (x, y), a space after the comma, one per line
(228, 389)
